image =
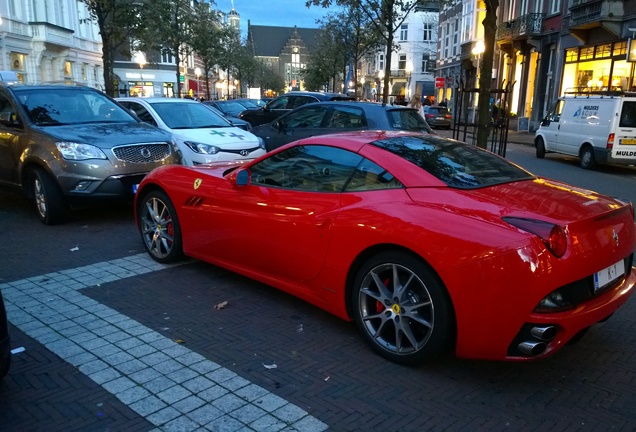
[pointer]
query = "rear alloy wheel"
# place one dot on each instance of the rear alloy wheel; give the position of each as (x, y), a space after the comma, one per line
(540, 145)
(49, 200)
(159, 226)
(402, 308)
(587, 157)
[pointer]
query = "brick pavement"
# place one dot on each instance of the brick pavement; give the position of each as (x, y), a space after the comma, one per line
(323, 366)
(169, 385)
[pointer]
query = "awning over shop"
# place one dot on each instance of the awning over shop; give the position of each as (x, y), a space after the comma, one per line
(193, 85)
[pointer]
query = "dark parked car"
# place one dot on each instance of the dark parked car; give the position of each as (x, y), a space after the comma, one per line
(66, 144)
(287, 102)
(329, 117)
(231, 108)
(5, 346)
(234, 120)
(438, 117)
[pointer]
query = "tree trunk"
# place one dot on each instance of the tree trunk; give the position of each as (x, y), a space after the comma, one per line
(485, 76)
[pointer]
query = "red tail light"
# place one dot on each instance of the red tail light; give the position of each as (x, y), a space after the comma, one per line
(610, 141)
(553, 236)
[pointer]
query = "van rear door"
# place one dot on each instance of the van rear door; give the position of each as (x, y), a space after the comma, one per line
(625, 138)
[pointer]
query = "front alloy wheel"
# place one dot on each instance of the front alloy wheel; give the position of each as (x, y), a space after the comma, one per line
(159, 226)
(402, 308)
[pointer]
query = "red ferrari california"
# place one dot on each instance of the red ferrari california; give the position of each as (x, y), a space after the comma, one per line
(426, 243)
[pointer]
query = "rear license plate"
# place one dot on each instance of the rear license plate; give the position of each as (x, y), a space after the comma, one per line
(609, 275)
(627, 141)
(441, 118)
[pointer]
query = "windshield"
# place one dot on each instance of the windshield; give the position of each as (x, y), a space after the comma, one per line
(455, 163)
(185, 115)
(407, 119)
(230, 107)
(70, 106)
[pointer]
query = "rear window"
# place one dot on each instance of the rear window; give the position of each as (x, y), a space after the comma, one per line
(408, 120)
(438, 111)
(628, 115)
(457, 164)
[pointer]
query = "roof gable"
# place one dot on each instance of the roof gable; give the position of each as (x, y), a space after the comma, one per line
(269, 41)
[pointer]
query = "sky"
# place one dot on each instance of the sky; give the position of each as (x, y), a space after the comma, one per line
(284, 13)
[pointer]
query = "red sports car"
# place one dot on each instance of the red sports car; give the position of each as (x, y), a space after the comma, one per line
(424, 242)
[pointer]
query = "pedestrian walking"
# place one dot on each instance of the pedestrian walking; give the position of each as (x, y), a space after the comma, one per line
(416, 102)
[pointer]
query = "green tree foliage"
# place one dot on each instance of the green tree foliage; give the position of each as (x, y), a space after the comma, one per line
(170, 31)
(119, 22)
(208, 40)
(386, 17)
(327, 60)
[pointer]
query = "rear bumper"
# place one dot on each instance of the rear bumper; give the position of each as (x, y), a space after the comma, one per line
(570, 323)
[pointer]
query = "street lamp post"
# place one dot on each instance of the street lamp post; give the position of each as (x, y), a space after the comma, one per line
(477, 51)
(197, 72)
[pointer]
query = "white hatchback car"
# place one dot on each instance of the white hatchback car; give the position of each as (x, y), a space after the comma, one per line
(202, 135)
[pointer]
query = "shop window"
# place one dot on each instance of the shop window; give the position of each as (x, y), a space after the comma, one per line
(68, 69)
(587, 53)
(571, 55)
(620, 48)
(17, 61)
(603, 51)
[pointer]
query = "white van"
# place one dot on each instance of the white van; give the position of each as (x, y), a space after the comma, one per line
(598, 128)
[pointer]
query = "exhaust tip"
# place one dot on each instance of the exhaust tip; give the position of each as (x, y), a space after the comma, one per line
(532, 349)
(546, 333)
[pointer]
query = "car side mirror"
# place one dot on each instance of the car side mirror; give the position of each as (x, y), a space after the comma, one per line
(242, 178)
(8, 119)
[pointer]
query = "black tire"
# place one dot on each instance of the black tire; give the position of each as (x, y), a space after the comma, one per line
(50, 203)
(159, 227)
(540, 146)
(586, 156)
(405, 326)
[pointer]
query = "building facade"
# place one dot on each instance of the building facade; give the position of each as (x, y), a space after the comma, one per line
(283, 50)
(50, 41)
(550, 48)
(412, 63)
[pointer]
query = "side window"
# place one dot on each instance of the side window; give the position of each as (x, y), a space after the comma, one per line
(347, 118)
(308, 117)
(312, 168)
(555, 114)
(628, 115)
(296, 101)
(371, 176)
(141, 112)
(279, 103)
(8, 112)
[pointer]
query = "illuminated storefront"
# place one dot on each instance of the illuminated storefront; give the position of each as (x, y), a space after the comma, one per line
(598, 68)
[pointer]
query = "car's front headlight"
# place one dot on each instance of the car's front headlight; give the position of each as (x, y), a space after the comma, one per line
(261, 143)
(79, 151)
(202, 148)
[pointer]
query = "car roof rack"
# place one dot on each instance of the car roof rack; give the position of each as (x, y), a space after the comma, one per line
(587, 92)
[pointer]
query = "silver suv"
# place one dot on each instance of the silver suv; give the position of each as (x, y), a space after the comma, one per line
(70, 144)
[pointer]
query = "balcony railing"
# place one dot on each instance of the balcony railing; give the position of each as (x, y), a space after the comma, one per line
(582, 12)
(525, 26)
(47, 32)
(399, 73)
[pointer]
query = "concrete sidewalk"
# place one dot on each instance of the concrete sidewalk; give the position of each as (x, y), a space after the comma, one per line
(515, 137)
